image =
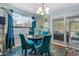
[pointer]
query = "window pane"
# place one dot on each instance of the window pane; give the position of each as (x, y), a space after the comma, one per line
(58, 25)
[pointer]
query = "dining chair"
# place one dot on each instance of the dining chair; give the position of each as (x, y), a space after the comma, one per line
(45, 33)
(42, 34)
(44, 47)
(26, 44)
(30, 33)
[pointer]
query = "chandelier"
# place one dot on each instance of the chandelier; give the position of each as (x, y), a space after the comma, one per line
(42, 10)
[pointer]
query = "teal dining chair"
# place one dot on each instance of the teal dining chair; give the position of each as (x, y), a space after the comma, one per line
(26, 44)
(44, 47)
(45, 33)
(42, 34)
(31, 33)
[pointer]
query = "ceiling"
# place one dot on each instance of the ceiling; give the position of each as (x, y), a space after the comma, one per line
(32, 7)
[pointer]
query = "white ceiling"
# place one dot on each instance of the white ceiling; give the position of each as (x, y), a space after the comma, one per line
(32, 7)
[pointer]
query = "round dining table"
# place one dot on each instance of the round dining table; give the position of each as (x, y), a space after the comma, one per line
(34, 38)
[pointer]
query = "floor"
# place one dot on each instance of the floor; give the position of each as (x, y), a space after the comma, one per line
(17, 52)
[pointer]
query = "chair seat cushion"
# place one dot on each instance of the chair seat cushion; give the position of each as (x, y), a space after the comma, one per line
(30, 42)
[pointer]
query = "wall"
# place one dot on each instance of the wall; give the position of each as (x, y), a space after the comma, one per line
(67, 12)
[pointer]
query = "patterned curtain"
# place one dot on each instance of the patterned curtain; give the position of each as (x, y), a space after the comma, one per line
(10, 33)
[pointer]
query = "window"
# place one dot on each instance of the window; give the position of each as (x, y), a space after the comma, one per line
(58, 29)
(74, 27)
(20, 20)
(22, 24)
(58, 25)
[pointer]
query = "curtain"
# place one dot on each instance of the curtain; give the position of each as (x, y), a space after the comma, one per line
(10, 33)
(33, 25)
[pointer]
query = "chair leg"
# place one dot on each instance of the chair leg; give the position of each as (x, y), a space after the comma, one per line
(35, 50)
(25, 52)
(48, 53)
(22, 50)
(31, 51)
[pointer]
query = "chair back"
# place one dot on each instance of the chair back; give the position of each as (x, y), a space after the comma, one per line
(30, 33)
(45, 45)
(45, 33)
(23, 41)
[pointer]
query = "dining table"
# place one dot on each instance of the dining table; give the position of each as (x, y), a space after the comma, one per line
(34, 38)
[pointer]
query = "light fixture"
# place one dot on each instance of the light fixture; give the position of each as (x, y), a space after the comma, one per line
(42, 10)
